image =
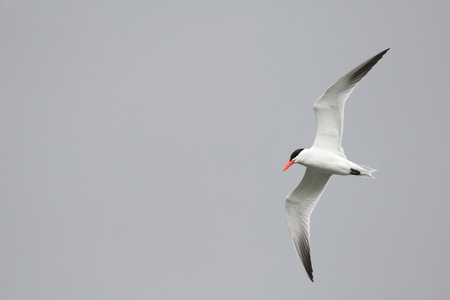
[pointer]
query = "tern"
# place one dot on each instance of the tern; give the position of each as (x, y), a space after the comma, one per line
(325, 158)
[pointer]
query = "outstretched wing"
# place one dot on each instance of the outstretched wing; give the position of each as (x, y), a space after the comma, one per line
(329, 108)
(299, 206)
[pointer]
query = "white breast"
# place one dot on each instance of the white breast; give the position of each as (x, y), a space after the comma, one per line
(324, 161)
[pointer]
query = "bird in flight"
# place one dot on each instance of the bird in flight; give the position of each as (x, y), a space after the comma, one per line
(325, 158)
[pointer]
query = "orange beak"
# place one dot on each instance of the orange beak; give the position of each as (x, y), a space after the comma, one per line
(290, 163)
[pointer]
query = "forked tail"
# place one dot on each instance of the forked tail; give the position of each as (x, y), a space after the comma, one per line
(365, 171)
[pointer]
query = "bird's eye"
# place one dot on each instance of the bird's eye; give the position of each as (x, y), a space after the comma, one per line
(295, 153)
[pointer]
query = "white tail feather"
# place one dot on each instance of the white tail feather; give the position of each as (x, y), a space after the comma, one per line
(365, 171)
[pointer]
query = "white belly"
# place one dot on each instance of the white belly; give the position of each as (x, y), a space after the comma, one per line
(325, 162)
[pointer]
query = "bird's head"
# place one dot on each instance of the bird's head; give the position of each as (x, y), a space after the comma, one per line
(292, 159)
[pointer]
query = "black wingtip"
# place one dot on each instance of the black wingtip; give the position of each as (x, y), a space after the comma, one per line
(383, 52)
(360, 71)
(303, 251)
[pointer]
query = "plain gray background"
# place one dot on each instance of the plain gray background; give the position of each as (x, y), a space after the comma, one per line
(142, 144)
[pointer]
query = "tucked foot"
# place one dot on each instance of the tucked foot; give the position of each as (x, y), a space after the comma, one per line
(355, 172)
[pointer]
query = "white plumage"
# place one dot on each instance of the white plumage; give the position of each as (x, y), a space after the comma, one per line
(325, 158)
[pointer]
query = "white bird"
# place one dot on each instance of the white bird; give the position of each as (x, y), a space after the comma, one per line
(324, 159)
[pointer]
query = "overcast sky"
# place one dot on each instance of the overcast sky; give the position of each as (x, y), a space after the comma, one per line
(142, 144)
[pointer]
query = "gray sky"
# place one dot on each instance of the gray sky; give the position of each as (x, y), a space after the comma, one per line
(143, 143)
